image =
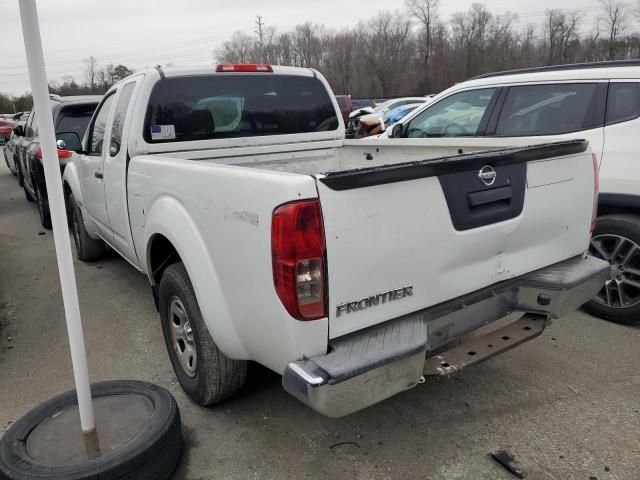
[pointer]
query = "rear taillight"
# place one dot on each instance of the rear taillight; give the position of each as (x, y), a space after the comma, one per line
(298, 251)
(244, 67)
(596, 191)
(62, 154)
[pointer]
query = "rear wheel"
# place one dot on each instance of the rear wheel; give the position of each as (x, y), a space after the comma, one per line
(19, 174)
(617, 240)
(43, 206)
(206, 374)
(87, 249)
(27, 193)
(6, 160)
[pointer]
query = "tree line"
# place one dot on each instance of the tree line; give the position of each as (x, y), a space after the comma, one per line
(411, 51)
(415, 51)
(96, 81)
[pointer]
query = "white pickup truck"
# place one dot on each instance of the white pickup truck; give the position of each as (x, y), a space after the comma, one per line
(351, 268)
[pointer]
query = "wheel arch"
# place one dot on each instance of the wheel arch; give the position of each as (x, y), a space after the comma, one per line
(71, 188)
(610, 203)
(172, 236)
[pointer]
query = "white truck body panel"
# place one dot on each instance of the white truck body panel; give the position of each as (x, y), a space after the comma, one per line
(213, 200)
(389, 236)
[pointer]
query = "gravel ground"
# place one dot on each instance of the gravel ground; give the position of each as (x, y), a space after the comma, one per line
(566, 405)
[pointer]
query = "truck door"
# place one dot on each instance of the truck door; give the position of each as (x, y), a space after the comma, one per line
(92, 168)
(115, 173)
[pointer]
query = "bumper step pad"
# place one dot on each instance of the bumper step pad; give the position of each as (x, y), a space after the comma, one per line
(478, 349)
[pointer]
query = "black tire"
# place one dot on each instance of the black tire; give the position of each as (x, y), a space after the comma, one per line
(216, 377)
(27, 194)
(617, 226)
(87, 249)
(19, 173)
(42, 201)
(6, 159)
(152, 454)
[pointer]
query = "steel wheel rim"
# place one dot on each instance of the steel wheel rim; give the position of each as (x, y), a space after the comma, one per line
(622, 287)
(182, 337)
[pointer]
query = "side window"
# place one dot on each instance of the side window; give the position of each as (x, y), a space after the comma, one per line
(547, 109)
(31, 125)
(118, 118)
(458, 115)
(99, 126)
(623, 102)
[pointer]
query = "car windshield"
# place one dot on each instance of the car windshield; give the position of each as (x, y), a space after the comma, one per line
(385, 106)
(223, 106)
(398, 113)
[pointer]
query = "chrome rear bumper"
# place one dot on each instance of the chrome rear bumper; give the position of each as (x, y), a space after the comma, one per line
(368, 366)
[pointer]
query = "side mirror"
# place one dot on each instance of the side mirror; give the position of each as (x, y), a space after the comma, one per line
(69, 141)
(18, 131)
(397, 131)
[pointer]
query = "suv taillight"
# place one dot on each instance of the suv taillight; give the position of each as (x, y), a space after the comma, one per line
(298, 252)
(61, 154)
(596, 191)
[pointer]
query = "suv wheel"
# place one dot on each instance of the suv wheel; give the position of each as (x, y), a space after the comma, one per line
(617, 240)
(19, 173)
(27, 193)
(43, 207)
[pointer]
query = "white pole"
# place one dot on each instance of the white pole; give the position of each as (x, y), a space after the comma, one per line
(42, 106)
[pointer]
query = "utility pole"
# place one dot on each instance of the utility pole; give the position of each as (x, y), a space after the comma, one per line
(260, 34)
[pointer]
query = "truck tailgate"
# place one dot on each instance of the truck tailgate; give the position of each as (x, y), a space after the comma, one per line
(407, 236)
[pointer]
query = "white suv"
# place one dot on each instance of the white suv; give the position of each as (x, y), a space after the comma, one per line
(599, 102)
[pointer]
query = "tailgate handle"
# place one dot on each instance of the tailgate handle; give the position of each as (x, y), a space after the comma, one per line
(484, 197)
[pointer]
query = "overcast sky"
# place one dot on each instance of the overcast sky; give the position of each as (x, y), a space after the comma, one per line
(140, 33)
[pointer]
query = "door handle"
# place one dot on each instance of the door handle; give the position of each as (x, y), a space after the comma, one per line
(98, 175)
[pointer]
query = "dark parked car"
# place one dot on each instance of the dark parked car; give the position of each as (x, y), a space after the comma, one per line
(6, 126)
(11, 154)
(71, 116)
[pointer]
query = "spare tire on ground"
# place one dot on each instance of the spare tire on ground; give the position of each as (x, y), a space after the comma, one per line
(138, 436)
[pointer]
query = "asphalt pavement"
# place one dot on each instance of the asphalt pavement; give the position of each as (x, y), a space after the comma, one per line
(565, 405)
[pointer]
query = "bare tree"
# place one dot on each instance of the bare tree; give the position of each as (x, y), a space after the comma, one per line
(426, 11)
(90, 71)
(241, 48)
(561, 30)
(615, 22)
(469, 31)
(388, 51)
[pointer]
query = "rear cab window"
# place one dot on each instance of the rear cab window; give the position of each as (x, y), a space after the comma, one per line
(237, 105)
(531, 110)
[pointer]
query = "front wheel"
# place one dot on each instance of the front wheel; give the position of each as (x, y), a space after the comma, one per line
(206, 374)
(617, 240)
